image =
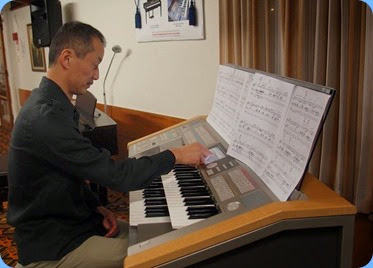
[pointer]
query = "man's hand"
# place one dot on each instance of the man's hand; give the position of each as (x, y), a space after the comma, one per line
(191, 154)
(110, 221)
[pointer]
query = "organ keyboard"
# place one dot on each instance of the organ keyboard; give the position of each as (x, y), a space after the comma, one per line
(194, 216)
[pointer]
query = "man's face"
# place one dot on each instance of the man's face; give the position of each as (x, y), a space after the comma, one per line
(84, 71)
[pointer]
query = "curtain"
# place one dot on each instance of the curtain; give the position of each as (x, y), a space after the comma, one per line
(326, 42)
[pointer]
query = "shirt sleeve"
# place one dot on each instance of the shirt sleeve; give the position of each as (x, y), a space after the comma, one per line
(61, 144)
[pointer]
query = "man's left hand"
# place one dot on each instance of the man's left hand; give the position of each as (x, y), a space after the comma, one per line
(110, 221)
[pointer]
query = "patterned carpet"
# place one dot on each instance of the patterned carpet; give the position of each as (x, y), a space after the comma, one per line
(4, 141)
(117, 202)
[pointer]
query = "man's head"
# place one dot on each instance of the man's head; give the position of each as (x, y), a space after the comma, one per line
(75, 53)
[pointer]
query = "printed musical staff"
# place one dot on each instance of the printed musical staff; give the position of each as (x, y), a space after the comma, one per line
(294, 147)
(260, 120)
(227, 100)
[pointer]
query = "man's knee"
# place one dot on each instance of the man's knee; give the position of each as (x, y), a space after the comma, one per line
(97, 251)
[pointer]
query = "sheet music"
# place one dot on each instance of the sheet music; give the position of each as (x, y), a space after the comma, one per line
(269, 124)
(227, 99)
(305, 112)
(260, 121)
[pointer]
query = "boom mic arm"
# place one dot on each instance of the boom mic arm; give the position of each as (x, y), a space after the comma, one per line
(116, 49)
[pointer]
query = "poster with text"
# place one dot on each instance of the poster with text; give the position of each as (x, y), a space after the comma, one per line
(165, 20)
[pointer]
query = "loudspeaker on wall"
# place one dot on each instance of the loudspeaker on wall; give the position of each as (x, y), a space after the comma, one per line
(46, 19)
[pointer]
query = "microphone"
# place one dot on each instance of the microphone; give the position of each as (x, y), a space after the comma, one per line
(116, 49)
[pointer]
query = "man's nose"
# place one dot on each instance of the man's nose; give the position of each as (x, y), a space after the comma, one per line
(96, 75)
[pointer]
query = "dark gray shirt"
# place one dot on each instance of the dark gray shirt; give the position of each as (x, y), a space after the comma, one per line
(50, 205)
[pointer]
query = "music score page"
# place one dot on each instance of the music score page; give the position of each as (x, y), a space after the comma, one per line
(290, 157)
(227, 99)
(260, 120)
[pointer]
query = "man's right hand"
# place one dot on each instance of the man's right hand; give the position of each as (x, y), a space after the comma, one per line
(191, 154)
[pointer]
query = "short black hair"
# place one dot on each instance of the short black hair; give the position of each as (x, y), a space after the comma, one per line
(75, 35)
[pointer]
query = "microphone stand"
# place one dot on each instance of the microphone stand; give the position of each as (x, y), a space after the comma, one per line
(104, 92)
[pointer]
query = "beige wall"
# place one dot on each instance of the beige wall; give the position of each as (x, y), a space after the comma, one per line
(175, 78)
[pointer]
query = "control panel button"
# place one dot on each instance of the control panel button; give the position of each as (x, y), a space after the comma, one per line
(212, 165)
(233, 206)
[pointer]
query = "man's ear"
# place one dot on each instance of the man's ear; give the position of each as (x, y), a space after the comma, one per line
(65, 58)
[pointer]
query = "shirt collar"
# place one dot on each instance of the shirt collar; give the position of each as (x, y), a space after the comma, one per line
(54, 91)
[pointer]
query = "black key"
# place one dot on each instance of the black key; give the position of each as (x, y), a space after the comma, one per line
(156, 214)
(149, 195)
(180, 174)
(197, 193)
(189, 179)
(189, 183)
(198, 201)
(154, 202)
(156, 209)
(193, 194)
(194, 188)
(155, 190)
(201, 215)
(149, 190)
(202, 208)
(202, 212)
(183, 178)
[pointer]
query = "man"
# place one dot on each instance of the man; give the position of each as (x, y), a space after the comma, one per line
(58, 221)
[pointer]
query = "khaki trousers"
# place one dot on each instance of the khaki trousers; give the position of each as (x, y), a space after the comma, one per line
(95, 252)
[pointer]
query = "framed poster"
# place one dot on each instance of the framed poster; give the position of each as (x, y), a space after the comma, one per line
(37, 55)
(164, 20)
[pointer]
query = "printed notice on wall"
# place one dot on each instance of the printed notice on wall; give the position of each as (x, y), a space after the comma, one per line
(165, 20)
